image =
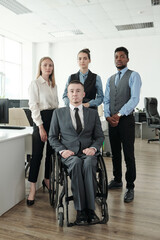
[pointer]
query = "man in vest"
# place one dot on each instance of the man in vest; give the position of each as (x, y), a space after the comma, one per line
(121, 97)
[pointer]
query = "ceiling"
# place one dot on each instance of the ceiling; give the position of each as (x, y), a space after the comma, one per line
(89, 19)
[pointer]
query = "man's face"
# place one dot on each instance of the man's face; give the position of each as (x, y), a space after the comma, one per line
(121, 60)
(75, 94)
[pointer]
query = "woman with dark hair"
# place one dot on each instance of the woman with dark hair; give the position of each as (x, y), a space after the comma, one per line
(92, 82)
(42, 102)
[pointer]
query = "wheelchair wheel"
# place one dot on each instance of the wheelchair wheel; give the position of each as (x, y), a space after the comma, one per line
(102, 189)
(102, 183)
(27, 165)
(54, 181)
(60, 218)
(105, 215)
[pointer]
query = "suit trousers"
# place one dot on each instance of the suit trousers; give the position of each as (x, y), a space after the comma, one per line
(82, 171)
(120, 136)
(38, 147)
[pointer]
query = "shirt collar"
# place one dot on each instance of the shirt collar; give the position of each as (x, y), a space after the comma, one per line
(123, 70)
(73, 107)
(84, 74)
(41, 79)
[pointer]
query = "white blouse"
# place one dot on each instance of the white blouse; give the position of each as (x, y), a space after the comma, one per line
(41, 97)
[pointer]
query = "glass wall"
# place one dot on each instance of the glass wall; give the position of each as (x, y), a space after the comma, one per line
(10, 68)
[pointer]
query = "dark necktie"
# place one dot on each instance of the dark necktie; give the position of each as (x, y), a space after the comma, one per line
(78, 121)
(119, 78)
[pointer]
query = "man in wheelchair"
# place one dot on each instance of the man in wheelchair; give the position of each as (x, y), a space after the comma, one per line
(76, 134)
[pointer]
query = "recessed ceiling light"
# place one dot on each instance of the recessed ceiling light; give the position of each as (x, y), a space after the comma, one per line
(15, 6)
(135, 26)
(61, 34)
(155, 2)
(140, 12)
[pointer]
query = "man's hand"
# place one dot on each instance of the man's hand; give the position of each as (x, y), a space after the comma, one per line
(89, 151)
(116, 117)
(112, 121)
(86, 104)
(67, 153)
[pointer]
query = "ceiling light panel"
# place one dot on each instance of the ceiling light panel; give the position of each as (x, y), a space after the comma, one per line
(134, 26)
(155, 2)
(14, 6)
(62, 34)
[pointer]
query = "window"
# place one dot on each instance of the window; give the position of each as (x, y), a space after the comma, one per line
(10, 68)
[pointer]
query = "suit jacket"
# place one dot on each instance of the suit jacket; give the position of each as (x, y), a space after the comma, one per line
(63, 136)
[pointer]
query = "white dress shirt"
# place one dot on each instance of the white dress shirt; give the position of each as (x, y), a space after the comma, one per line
(41, 97)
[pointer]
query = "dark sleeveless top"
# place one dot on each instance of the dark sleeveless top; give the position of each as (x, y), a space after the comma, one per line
(89, 85)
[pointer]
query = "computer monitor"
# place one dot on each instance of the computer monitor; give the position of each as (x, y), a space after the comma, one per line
(14, 103)
(24, 103)
(4, 115)
(18, 103)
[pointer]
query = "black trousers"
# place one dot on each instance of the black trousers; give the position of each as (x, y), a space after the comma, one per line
(38, 146)
(123, 136)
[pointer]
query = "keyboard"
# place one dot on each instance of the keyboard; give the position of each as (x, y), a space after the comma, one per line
(12, 127)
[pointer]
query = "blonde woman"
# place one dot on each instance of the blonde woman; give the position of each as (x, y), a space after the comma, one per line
(43, 100)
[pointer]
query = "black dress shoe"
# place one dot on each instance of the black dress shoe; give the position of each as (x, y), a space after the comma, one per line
(114, 185)
(30, 202)
(129, 195)
(81, 218)
(92, 217)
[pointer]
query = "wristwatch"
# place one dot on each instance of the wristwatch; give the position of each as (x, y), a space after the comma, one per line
(119, 114)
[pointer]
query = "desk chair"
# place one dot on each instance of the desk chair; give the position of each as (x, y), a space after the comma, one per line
(17, 117)
(152, 115)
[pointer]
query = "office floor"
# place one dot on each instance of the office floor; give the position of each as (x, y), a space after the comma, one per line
(139, 220)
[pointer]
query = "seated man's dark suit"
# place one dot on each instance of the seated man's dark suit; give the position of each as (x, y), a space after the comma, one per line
(82, 168)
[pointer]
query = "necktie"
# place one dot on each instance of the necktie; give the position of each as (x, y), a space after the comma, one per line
(78, 121)
(119, 77)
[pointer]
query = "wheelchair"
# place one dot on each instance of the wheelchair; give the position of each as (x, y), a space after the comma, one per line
(27, 164)
(59, 177)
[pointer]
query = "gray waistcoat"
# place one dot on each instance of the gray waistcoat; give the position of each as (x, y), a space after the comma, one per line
(120, 94)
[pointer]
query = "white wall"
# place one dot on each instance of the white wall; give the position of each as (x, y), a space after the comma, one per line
(144, 58)
(27, 66)
(143, 52)
(40, 50)
(31, 54)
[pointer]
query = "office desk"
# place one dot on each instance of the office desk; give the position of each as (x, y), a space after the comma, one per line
(13, 145)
